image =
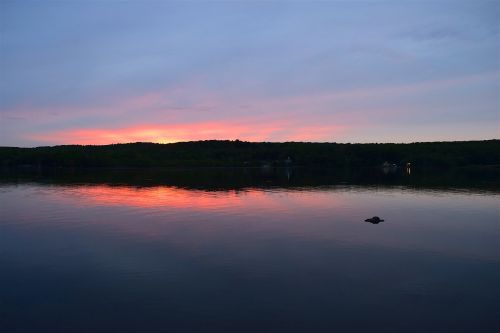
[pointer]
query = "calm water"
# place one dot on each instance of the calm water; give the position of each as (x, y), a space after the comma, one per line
(247, 251)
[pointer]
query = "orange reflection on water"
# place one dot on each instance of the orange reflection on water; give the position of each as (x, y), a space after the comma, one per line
(170, 197)
(158, 212)
(156, 197)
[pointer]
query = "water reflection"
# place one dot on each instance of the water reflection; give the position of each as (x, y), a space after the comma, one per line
(329, 213)
(243, 178)
(246, 251)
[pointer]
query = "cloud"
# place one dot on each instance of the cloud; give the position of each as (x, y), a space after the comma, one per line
(274, 71)
(278, 131)
(189, 112)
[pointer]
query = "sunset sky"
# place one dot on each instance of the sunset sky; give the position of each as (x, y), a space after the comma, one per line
(98, 72)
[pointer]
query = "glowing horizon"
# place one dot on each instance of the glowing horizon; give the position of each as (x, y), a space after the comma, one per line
(322, 72)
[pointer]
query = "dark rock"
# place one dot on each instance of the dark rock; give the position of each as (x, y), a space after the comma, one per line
(374, 220)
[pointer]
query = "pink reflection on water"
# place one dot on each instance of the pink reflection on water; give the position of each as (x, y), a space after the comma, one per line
(198, 221)
(173, 197)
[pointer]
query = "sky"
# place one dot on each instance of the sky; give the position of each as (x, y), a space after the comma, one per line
(109, 71)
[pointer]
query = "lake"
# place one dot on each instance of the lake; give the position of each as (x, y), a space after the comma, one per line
(248, 250)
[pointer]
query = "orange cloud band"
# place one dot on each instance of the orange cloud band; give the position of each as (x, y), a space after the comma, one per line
(192, 131)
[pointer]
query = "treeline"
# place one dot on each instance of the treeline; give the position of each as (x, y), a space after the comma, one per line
(240, 153)
(240, 179)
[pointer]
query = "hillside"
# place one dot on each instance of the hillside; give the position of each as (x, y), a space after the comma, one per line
(239, 153)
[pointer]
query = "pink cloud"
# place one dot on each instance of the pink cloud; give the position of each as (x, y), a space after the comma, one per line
(191, 112)
(187, 132)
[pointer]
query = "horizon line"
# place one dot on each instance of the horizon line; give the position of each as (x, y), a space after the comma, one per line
(245, 141)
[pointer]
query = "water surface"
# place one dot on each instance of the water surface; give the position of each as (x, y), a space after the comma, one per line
(247, 251)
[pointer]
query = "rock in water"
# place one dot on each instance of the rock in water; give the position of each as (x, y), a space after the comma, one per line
(374, 220)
